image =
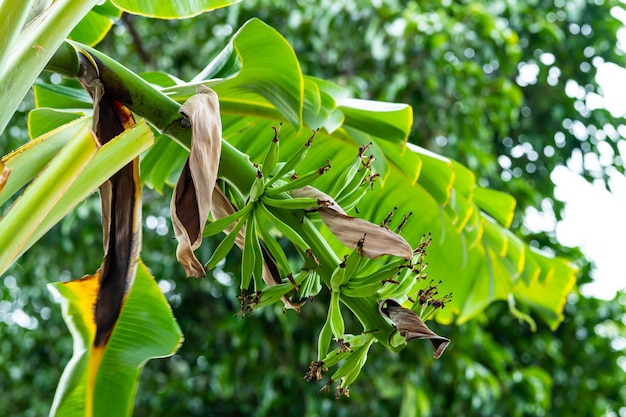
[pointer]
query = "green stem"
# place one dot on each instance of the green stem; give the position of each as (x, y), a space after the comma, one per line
(138, 95)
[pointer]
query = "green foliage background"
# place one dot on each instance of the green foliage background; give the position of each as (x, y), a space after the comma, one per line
(459, 73)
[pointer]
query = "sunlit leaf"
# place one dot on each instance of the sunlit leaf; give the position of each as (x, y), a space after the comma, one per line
(172, 9)
(260, 71)
(497, 204)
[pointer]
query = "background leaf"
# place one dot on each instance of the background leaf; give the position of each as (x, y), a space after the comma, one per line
(96, 24)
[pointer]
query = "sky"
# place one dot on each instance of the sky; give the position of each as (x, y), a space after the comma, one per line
(594, 218)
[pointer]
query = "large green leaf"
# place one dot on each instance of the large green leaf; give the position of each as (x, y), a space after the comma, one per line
(28, 160)
(477, 259)
(172, 9)
(103, 382)
(257, 70)
(33, 47)
(75, 172)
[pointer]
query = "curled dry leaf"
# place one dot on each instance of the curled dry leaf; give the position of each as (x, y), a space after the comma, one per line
(192, 197)
(373, 240)
(223, 207)
(411, 326)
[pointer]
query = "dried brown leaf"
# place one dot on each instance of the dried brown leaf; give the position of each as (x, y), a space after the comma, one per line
(192, 197)
(373, 240)
(120, 198)
(410, 326)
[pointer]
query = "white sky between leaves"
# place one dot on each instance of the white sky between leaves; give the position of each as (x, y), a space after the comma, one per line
(594, 218)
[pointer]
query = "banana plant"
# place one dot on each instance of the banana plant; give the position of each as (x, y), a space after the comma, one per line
(255, 151)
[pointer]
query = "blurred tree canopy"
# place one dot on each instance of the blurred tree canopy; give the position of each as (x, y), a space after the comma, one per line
(503, 87)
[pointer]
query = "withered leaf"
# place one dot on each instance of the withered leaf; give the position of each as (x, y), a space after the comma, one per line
(410, 326)
(373, 240)
(121, 208)
(192, 197)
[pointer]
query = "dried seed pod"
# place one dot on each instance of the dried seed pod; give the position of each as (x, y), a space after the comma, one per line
(192, 197)
(411, 326)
